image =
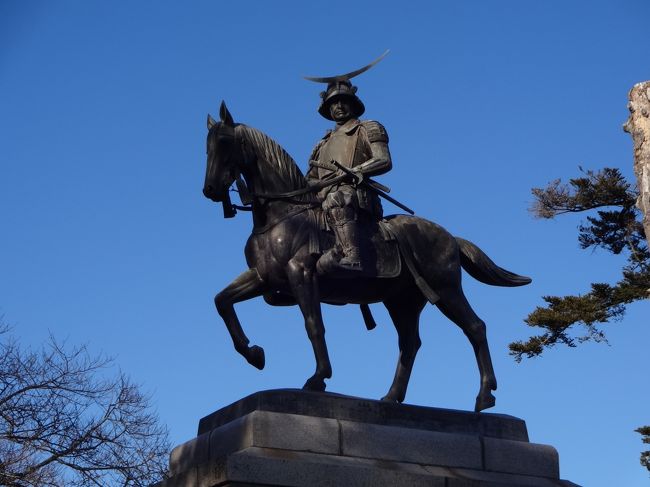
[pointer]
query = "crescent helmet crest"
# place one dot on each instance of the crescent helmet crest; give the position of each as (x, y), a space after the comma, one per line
(340, 86)
(346, 76)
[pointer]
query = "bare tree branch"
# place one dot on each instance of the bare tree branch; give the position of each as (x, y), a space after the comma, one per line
(65, 421)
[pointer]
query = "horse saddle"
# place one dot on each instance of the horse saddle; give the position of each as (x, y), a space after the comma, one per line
(380, 255)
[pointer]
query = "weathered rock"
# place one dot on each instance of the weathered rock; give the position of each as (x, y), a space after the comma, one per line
(638, 126)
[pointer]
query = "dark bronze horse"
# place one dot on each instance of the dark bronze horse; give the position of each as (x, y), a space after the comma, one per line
(282, 268)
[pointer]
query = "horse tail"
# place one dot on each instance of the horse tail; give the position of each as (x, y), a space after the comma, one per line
(481, 267)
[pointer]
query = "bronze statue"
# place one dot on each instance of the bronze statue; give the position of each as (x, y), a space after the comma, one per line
(406, 260)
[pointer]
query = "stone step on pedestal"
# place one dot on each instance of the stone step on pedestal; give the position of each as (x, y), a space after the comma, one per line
(338, 440)
(338, 406)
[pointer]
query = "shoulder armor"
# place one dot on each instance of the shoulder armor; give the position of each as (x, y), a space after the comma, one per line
(375, 131)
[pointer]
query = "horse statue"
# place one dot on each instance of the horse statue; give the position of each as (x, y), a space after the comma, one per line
(282, 261)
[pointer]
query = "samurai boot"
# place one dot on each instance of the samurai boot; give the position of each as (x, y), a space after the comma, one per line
(348, 238)
(341, 210)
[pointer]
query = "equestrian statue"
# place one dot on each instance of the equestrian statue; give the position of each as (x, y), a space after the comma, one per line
(322, 238)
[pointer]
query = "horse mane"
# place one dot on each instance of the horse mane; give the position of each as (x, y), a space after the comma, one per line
(267, 149)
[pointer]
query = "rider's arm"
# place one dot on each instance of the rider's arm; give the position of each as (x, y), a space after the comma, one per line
(380, 161)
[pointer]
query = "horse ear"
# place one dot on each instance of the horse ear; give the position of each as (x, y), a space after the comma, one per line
(211, 122)
(225, 115)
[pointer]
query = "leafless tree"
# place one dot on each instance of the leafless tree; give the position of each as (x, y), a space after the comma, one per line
(68, 418)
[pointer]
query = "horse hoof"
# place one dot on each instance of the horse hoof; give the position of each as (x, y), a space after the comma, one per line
(314, 384)
(256, 357)
(484, 402)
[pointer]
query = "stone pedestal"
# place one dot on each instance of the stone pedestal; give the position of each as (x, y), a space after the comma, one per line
(298, 438)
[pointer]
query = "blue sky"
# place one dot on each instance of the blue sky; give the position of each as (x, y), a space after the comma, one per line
(107, 239)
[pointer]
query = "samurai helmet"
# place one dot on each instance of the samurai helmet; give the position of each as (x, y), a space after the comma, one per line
(340, 86)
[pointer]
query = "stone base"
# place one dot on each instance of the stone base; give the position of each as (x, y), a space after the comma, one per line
(299, 438)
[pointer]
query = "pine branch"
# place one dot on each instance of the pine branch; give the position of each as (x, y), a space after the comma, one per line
(617, 229)
(559, 320)
(645, 455)
(607, 187)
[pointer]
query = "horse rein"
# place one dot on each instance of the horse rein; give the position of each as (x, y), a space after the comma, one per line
(286, 216)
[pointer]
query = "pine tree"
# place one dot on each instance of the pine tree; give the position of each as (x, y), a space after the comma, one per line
(616, 227)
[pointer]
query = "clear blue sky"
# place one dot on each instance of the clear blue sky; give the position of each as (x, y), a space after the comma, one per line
(107, 239)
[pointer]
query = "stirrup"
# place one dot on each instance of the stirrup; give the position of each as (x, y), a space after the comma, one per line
(353, 265)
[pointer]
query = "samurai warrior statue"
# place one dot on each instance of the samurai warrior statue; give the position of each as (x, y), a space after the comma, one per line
(355, 147)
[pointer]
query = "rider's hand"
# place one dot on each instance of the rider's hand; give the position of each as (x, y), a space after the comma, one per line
(358, 174)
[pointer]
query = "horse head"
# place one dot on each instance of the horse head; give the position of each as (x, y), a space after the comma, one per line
(224, 155)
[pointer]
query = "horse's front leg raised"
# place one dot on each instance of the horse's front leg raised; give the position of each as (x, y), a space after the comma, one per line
(304, 286)
(248, 285)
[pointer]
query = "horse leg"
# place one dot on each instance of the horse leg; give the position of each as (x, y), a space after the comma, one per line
(248, 285)
(304, 286)
(405, 314)
(455, 306)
